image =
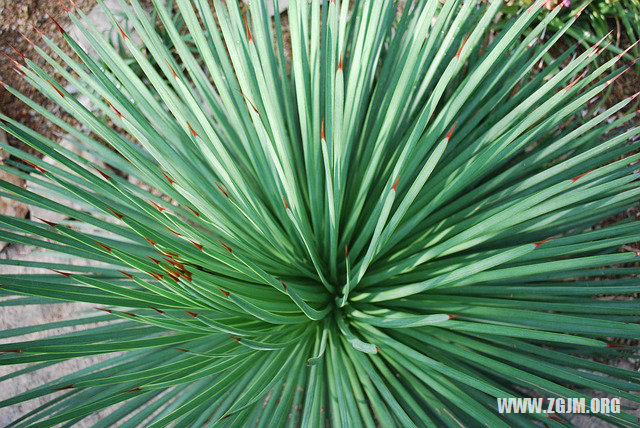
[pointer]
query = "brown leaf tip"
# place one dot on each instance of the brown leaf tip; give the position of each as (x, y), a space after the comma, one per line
(68, 275)
(115, 213)
(167, 177)
(394, 187)
(33, 165)
(157, 310)
(322, 136)
(158, 207)
(195, 134)
(222, 190)
(173, 231)
(105, 176)
(236, 338)
(17, 51)
(113, 108)
(104, 247)
(452, 316)
(173, 275)
(198, 246)
(578, 177)
(128, 275)
(122, 33)
(47, 222)
(286, 205)
(228, 248)
(246, 26)
(26, 38)
(226, 293)
(537, 244)
(172, 70)
(197, 214)
(57, 25)
(64, 6)
(576, 80)
(461, 47)
(448, 137)
(61, 388)
(193, 314)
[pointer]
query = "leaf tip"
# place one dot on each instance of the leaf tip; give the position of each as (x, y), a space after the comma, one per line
(193, 132)
(394, 187)
(448, 137)
(246, 26)
(122, 33)
(461, 47)
(537, 244)
(105, 176)
(62, 388)
(66, 274)
(57, 25)
(222, 190)
(578, 177)
(115, 213)
(47, 222)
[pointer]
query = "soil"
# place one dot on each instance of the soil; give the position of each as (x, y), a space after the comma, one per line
(23, 18)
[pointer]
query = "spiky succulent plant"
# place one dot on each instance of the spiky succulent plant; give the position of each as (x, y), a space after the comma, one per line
(388, 223)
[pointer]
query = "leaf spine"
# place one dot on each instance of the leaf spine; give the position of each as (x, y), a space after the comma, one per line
(122, 33)
(394, 187)
(105, 176)
(228, 248)
(47, 222)
(57, 25)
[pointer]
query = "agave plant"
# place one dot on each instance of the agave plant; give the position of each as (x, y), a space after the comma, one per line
(389, 223)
